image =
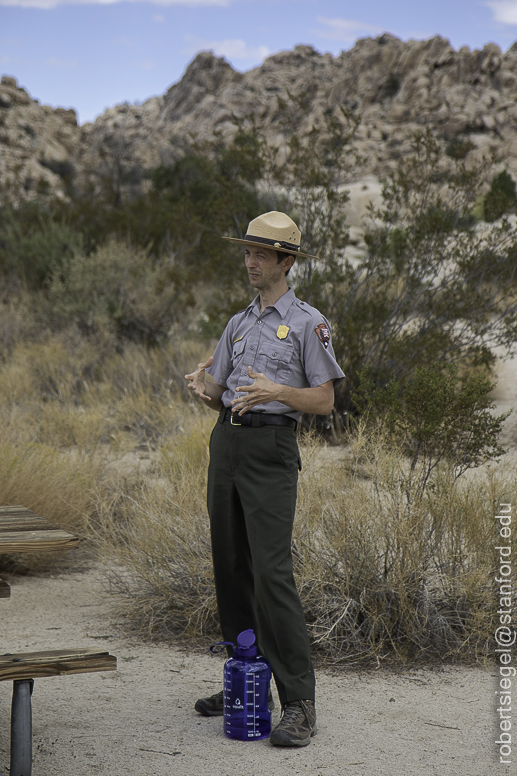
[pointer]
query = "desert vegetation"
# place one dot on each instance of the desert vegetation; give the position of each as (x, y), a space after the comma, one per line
(109, 298)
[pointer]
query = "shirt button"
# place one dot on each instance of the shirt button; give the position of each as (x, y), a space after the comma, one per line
(260, 323)
(252, 347)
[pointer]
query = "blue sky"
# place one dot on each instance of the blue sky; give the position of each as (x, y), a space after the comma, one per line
(92, 54)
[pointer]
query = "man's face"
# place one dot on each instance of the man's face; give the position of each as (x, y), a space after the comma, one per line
(264, 269)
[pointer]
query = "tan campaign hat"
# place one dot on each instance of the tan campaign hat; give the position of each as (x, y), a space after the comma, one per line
(273, 230)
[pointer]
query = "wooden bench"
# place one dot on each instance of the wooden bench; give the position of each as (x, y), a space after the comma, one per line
(22, 669)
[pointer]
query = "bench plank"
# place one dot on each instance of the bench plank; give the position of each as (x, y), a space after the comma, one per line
(25, 523)
(59, 662)
(19, 518)
(37, 541)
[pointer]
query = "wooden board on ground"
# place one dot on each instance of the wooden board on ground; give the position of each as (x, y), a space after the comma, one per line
(22, 530)
(59, 662)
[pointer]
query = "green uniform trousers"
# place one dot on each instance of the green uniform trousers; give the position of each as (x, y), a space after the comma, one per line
(252, 481)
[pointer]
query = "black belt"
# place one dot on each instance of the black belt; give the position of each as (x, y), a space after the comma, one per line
(258, 419)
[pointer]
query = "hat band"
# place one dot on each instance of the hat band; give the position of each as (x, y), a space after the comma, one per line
(272, 243)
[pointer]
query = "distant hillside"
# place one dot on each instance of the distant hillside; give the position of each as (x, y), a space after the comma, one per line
(395, 87)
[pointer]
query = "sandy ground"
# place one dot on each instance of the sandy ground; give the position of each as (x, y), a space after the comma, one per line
(140, 719)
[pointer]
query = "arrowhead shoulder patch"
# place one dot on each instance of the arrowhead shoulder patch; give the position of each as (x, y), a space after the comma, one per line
(322, 330)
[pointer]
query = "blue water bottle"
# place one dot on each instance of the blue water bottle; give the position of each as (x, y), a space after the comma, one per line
(246, 685)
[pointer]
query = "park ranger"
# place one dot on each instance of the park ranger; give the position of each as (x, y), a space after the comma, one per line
(273, 362)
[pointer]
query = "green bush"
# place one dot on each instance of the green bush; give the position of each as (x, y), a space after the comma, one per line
(119, 288)
(430, 287)
(436, 417)
(458, 148)
(33, 241)
(502, 197)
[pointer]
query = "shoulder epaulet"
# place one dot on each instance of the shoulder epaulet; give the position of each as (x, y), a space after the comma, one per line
(236, 315)
(304, 306)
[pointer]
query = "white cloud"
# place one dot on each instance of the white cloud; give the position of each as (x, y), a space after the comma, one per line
(230, 48)
(46, 4)
(505, 11)
(347, 30)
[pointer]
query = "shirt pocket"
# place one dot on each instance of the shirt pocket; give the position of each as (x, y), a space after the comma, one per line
(238, 352)
(279, 361)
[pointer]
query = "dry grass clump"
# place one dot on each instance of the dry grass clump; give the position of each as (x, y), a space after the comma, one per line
(153, 535)
(67, 392)
(56, 485)
(381, 574)
(384, 574)
(71, 409)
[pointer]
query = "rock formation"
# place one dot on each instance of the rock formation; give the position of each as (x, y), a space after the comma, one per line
(395, 87)
(38, 144)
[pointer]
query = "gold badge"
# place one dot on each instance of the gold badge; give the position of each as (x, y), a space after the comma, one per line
(238, 339)
(282, 332)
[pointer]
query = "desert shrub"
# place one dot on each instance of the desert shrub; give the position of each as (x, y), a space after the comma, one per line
(385, 576)
(437, 416)
(501, 198)
(120, 288)
(20, 319)
(381, 576)
(458, 148)
(431, 288)
(33, 241)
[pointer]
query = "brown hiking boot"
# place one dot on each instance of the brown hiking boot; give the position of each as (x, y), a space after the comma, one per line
(214, 705)
(297, 725)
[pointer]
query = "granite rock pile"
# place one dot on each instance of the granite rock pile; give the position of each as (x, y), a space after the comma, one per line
(395, 87)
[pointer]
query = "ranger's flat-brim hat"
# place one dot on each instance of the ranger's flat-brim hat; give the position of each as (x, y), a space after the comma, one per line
(273, 230)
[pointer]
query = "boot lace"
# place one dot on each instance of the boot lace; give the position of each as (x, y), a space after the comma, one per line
(292, 711)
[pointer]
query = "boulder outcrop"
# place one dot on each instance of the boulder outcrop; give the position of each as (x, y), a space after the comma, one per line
(395, 87)
(39, 145)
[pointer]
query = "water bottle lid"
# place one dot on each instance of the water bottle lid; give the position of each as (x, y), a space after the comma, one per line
(246, 644)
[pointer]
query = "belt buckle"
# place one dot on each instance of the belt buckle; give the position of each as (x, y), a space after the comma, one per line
(231, 419)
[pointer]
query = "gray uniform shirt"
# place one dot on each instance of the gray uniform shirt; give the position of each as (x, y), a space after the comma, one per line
(289, 342)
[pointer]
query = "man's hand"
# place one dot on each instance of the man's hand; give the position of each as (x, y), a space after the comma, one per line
(196, 380)
(261, 391)
(318, 400)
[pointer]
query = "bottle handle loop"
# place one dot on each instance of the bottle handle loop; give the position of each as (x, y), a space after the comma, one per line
(221, 644)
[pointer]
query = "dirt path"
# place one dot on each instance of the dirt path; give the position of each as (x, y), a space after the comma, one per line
(140, 719)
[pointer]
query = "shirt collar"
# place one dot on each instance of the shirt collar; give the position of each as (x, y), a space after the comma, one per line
(281, 306)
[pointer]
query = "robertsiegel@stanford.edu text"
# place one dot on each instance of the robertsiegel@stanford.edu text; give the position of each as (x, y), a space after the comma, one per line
(505, 634)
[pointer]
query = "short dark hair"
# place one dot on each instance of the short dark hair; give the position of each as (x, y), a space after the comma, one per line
(281, 255)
